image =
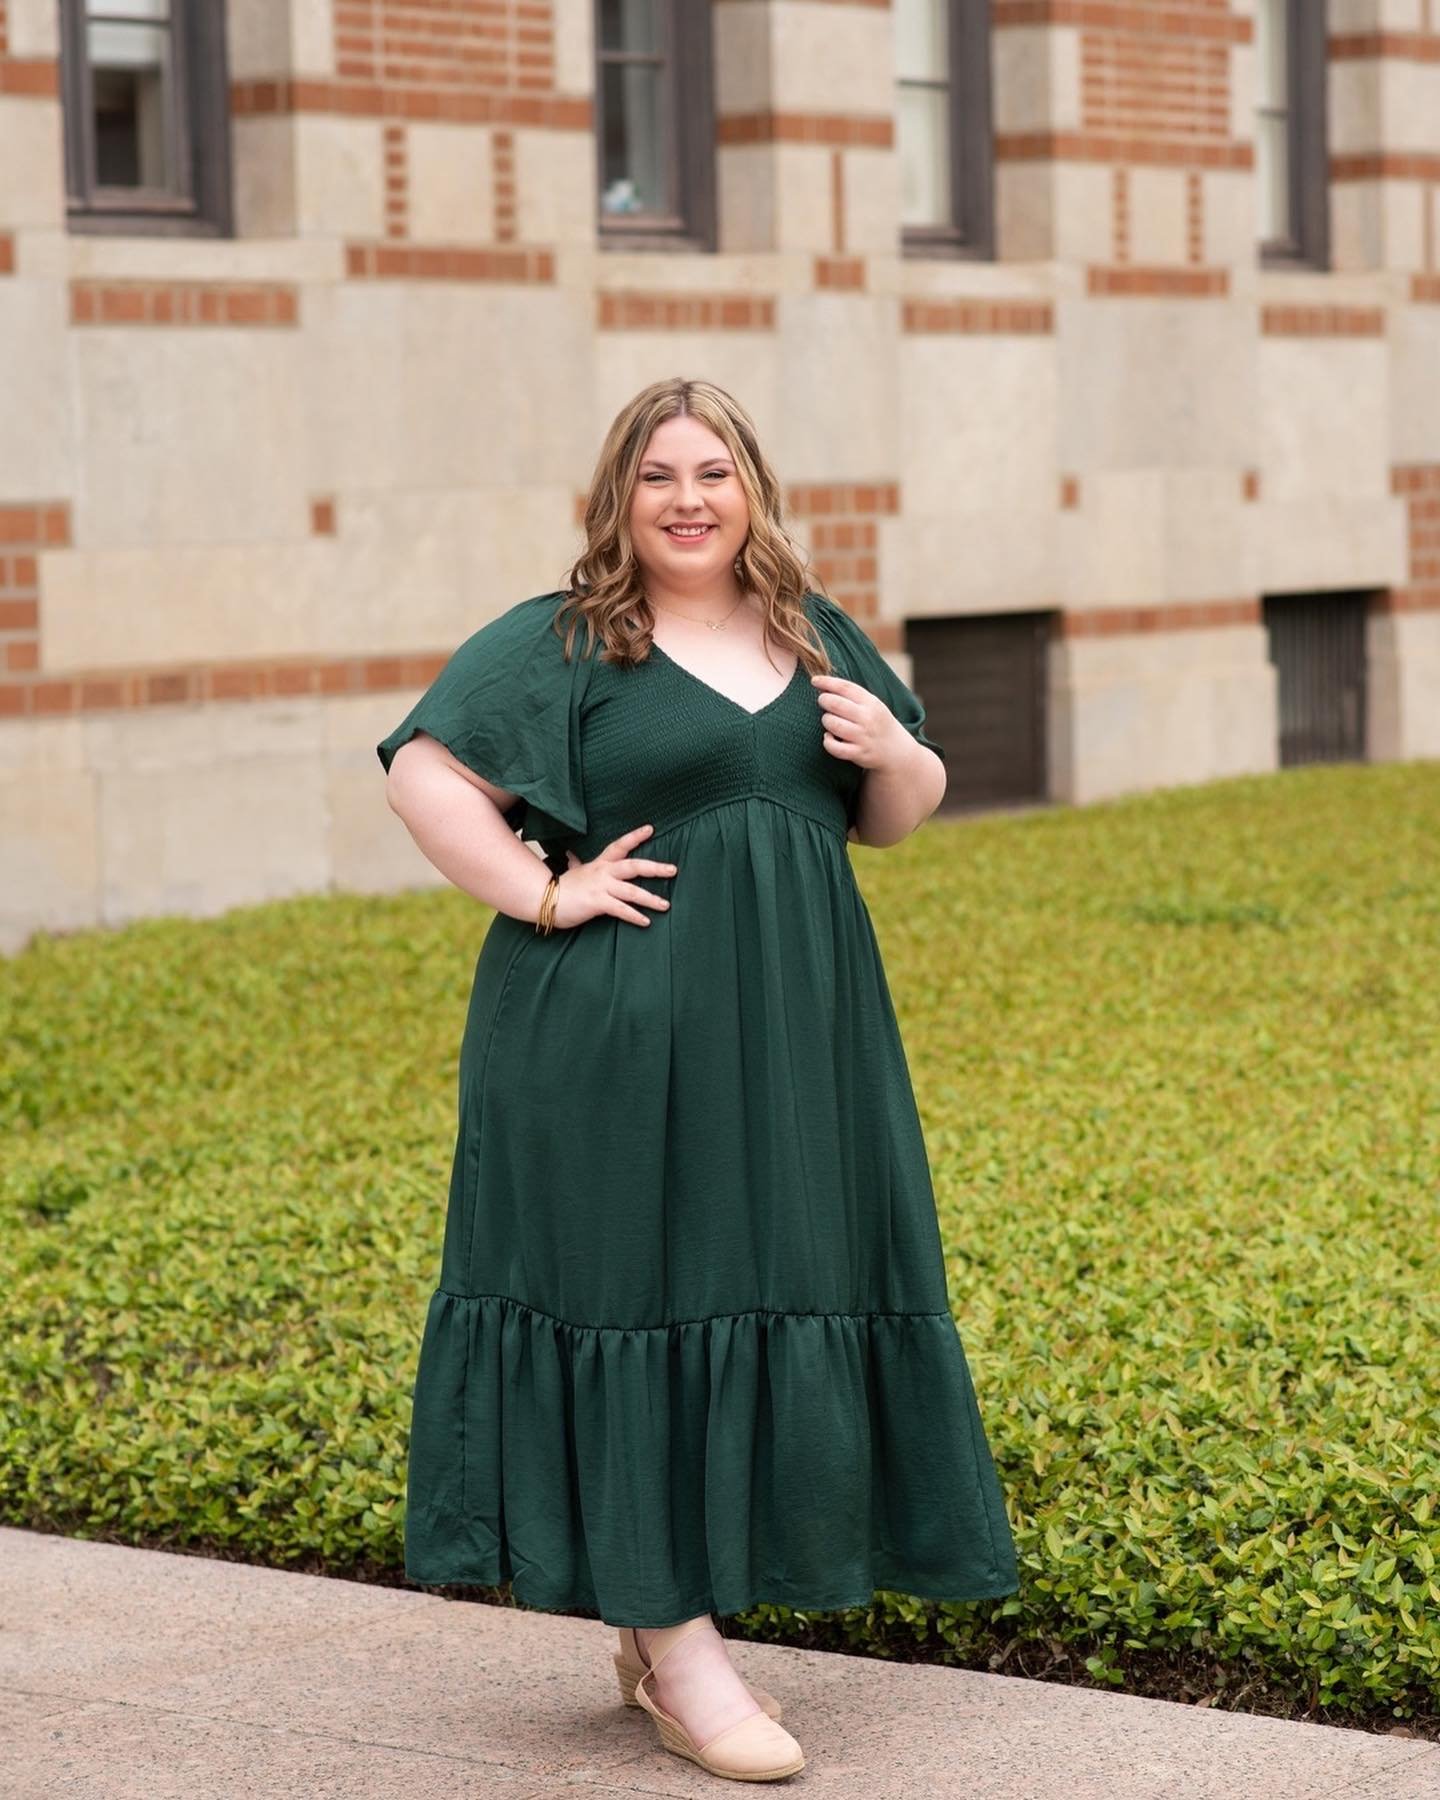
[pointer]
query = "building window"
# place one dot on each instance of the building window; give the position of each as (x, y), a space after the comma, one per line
(1291, 175)
(655, 125)
(942, 113)
(146, 122)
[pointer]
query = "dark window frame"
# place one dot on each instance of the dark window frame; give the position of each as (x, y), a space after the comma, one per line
(970, 230)
(1307, 244)
(198, 126)
(688, 112)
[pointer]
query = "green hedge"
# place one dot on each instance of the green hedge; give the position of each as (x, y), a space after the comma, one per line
(1178, 1060)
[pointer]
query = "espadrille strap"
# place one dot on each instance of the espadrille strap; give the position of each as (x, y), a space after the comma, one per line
(688, 1629)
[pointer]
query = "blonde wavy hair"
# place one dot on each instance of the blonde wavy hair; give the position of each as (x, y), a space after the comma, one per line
(603, 587)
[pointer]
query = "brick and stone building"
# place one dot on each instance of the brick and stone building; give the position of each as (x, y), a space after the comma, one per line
(1097, 342)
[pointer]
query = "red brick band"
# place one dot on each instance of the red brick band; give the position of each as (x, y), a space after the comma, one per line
(1005, 318)
(106, 300)
(29, 77)
(1112, 147)
(625, 309)
(1322, 321)
(397, 99)
(447, 262)
(1183, 615)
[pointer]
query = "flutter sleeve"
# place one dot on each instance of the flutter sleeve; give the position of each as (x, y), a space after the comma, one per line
(856, 658)
(508, 705)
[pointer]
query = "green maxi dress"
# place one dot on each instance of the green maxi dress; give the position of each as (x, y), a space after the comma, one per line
(691, 1346)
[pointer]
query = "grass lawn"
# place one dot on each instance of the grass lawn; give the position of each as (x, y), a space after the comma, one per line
(1178, 1061)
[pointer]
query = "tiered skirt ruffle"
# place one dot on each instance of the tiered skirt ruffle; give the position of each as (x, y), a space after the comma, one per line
(806, 1459)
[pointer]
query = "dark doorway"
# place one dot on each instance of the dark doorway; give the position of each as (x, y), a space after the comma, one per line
(1317, 644)
(983, 681)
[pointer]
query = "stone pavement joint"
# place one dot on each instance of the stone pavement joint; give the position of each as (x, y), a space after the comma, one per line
(130, 1674)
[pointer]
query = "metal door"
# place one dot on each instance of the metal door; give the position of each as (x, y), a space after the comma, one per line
(1317, 644)
(983, 683)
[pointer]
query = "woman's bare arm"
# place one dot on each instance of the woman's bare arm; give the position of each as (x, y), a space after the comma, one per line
(899, 795)
(902, 780)
(455, 818)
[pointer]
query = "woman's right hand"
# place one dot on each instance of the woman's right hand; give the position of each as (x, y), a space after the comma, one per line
(605, 884)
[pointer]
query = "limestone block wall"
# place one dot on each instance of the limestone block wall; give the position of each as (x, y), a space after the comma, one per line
(254, 488)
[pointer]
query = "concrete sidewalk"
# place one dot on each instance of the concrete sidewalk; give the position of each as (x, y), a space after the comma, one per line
(134, 1673)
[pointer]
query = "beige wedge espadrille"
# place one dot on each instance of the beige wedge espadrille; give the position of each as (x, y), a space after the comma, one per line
(755, 1748)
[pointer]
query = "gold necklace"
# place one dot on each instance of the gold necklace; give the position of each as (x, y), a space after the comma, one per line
(714, 624)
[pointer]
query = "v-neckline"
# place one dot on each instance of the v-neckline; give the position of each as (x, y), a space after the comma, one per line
(749, 712)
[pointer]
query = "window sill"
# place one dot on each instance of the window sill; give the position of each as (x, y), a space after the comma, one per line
(140, 224)
(623, 241)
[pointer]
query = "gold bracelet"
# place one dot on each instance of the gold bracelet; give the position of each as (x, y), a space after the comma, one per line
(545, 919)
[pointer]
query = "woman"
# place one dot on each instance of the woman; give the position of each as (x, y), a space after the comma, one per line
(691, 1347)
